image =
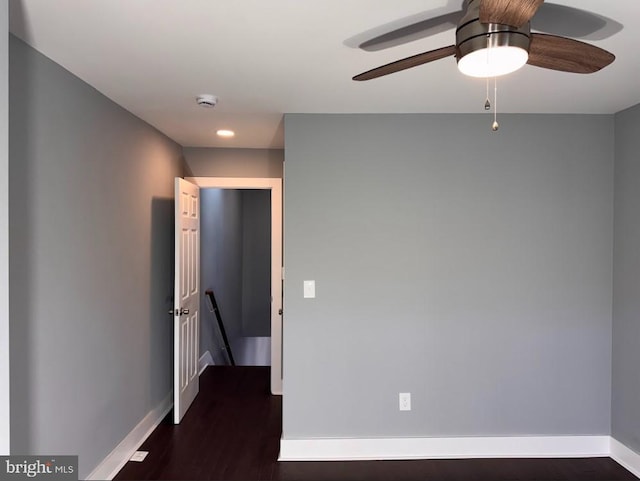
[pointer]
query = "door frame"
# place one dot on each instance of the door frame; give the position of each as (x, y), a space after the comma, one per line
(275, 186)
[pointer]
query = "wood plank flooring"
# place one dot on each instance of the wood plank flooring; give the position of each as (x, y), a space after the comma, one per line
(233, 429)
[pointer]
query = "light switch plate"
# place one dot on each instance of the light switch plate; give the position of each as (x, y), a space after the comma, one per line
(404, 399)
(309, 288)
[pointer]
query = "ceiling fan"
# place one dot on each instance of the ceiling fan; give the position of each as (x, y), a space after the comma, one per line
(494, 38)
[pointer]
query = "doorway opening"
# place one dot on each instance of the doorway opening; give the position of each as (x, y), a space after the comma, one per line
(235, 275)
(243, 266)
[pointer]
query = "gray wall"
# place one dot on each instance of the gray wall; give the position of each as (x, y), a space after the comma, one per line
(91, 269)
(626, 283)
(471, 269)
(221, 266)
(247, 163)
(4, 229)
(256, 264)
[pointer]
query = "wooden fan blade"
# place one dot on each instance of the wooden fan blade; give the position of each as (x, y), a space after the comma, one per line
(406, 63)
(514, 13)
(567, 55)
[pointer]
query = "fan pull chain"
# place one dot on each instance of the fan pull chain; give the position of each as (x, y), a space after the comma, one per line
(487, 104)
(495, 125)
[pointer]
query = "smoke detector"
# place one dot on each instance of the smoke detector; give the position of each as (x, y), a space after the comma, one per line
(207, 100)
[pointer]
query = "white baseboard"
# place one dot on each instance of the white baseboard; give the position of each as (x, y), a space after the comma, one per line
(116, 460)
(205, 360)
(439, 448)
(626, 457)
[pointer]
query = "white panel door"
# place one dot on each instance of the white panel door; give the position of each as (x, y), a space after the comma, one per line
(186, 307)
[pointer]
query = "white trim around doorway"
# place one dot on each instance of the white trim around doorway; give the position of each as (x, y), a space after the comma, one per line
(275, 186)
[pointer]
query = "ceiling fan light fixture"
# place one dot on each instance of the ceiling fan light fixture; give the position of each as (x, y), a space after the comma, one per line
(494, 38)
(490, 49)
(493, 61)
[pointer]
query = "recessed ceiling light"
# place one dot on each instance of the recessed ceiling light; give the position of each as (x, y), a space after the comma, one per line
(226, 133)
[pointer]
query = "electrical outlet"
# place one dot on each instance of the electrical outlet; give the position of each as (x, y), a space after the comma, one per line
(404, 399)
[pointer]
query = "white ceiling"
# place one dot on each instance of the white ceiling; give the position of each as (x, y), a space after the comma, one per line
(264, 58)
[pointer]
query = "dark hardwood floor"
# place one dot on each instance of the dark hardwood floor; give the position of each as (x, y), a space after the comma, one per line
(232, 432)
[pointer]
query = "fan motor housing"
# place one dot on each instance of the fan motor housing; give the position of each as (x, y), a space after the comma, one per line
(472, 35)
